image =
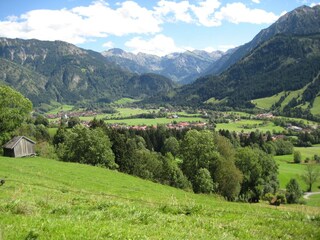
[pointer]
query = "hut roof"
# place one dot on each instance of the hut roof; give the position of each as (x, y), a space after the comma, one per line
(14, 141)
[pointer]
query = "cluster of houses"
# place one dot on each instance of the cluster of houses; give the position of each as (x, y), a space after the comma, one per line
(72, 114)
(177, 126)
(265, 116)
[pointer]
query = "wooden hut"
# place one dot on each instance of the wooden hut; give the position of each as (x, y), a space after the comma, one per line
(19, 146)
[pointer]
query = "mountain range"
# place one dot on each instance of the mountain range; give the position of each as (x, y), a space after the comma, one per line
(182, 67)
(281, 61)
(301, 21)
(57, 71)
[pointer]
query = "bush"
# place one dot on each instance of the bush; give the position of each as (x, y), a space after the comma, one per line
(203, 182)
(293, 191)
(44, 149)
(275, 199)
(297, 157)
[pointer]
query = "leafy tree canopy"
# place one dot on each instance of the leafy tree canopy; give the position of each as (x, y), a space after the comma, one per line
(14, 108)
(87, 146)
(293, 191)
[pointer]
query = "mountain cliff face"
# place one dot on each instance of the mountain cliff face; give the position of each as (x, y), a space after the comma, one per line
(180, 67)
(59, 71)
(301, 21)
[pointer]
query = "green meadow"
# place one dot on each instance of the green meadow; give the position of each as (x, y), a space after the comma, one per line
(249, 126)
(267, 102)
(154, 122)
(316, 106)
(47, 199)
(61, 108)
(288, 169)
(124, 101)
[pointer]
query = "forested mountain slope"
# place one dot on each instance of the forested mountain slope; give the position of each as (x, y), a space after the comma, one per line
(301, 21)
(284, 63)
(59, 71)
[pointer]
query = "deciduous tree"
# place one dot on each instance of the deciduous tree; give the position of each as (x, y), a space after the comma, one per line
(293, 191)
(310, 176)
(14, 108)
(87, 146)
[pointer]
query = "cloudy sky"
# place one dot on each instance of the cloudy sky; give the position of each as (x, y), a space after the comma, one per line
(157, 27)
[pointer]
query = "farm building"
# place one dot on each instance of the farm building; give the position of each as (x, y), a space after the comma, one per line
(19, 146)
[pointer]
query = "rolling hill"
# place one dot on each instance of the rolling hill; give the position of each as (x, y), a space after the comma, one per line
(47, 199)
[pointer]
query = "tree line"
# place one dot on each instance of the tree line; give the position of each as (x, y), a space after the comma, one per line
(236, 166)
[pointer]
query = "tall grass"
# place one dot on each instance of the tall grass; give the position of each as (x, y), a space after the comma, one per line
(47, 199)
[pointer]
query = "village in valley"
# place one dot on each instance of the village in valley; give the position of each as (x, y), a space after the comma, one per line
(199, 119)
(145, 120)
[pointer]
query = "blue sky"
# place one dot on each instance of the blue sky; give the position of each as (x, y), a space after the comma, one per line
(156, 27)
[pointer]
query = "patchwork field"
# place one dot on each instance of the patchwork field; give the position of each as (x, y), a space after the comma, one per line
(154, 122)
(47, 199)
(249, 126)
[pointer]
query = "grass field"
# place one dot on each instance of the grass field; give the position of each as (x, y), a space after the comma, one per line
(154, 122)
(99, 116)
(266, 103)
(288, 169)
(308, 152)
(292, 94)
(316, 106)
(251, 125)
(47, 199)
(61, 108)
(314, 200)
(125, 101)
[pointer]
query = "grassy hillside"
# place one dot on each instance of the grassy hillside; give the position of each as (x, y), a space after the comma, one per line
(267, 102)
(288, 169)
(315, 110)
(48, 199)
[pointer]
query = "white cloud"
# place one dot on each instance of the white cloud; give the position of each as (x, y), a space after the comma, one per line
(80, 24)
(204, 12)
(173, 11)
(108, 44)
(225, 48)
(99, 20)
(207, 13)
(209, 49)
(239, 13)
(158, 45)
(184, 11)
(314, 4)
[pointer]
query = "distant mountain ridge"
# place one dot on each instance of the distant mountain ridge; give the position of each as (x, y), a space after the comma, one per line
(182, 67)
(284, 63)
(280, 65)
(47, 71)
(301, 21)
